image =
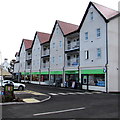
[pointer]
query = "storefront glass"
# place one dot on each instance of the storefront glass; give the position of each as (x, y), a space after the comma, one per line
(35, 77)
(94, 80)
(44, 78)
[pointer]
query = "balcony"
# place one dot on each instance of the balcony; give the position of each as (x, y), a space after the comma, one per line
(45, 65)
(72, 62)
(45, 53)
(29, 57)
(28, 66)
(72, 46)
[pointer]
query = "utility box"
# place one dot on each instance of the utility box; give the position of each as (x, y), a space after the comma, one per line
(9, 92)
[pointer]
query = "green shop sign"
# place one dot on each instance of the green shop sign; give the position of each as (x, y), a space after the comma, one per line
(71, 72)
(35, 73)
(44, 73)
(94, 71)
(56, 72)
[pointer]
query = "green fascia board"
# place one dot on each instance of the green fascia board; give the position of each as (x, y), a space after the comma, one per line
(93, 71)
(35, 73)
(72, 72)
(44, 73)
(56, 72)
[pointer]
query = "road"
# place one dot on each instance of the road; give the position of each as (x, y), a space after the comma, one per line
(66, 103)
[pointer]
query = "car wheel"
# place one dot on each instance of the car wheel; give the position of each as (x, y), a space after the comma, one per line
(21, 88)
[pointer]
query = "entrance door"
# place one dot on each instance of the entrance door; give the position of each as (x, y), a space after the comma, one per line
(85, 81)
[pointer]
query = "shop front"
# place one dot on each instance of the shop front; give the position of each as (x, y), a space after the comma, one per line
(71, 79)
(93, 79)
(56, 78)
(44, 78)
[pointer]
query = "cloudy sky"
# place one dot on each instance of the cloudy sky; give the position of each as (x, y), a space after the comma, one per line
(22, 18)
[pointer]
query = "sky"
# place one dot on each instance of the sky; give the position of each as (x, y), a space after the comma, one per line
(22, 18)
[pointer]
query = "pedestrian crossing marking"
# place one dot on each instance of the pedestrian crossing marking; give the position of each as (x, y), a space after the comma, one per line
(75, 93)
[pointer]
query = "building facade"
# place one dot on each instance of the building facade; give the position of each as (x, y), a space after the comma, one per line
(84, 56)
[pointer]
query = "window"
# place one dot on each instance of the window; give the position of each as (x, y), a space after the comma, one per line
(53, 45)
(98, 33)
(86, 54)
(98, 52)
(60, 59)
(86, 35)
(60, 43)
(53, 59)
(91, 15)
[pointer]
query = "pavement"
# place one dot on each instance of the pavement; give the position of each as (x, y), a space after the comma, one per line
(28, 96)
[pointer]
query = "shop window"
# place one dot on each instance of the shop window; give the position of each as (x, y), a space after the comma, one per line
(97, 80)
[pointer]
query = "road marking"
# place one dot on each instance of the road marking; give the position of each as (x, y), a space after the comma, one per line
(52, 94)
(80, 93)
(62, 93)
(71, 93)
(30, 100)
(61, 111)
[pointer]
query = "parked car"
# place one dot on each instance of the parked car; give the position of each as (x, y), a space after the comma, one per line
(18, 86)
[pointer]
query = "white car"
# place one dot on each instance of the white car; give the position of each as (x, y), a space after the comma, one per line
(18, 86)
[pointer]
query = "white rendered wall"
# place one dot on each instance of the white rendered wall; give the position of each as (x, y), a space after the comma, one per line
(93, 42)
(57, 51)
(22, 58)
(113, 55)
(36, 55)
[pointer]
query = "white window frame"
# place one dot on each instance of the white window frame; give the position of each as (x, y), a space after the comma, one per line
(98, 32)
(53, 60)
(60, 44)
(99, 52)
(53, 45)
(91, 16)
(86, 54)
(86, 36)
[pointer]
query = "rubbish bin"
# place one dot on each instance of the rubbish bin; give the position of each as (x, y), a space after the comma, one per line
(9, 92)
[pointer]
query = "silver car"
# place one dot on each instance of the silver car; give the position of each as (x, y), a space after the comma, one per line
(18, 86)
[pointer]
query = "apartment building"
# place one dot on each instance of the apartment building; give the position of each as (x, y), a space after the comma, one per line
(98, 33)
(86, 54)
(40, 57)
(57, 51)
(23, 60)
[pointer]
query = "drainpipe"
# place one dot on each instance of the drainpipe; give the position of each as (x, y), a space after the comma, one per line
(106, 58)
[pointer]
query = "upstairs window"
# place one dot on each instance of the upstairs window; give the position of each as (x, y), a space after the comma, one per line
(60, 59)
(91, 15)
(53, 60)
(98, 52)
(98, 32)
(60, 44)
(53, 45)
(86, 54)
(86, 35)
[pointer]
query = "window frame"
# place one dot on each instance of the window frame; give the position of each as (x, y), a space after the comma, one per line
(86, 36)
(99, 52)
(98, 32)
(86, 54)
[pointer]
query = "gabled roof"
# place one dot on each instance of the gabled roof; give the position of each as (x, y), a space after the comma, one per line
(108, 13)
(43, 37)
(105, 12)
(27, 43)
(65, 27)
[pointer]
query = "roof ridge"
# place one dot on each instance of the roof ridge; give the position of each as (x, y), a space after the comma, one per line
(105, 6)
(42, 32)
(66, 22)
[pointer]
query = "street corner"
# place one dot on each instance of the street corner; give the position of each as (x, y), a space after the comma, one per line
(29, 96)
